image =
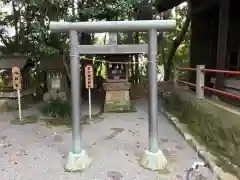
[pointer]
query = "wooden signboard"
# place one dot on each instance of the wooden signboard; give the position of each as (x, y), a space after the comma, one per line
(89, 77)
(16, 75)
(17, 81)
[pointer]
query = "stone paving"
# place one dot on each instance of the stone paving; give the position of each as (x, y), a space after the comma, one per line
(115, 142)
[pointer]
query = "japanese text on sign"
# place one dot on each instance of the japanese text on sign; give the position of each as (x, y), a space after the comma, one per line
(16, 75)
(89, 77)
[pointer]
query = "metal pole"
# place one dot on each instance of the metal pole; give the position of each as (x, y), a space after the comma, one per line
(113, 26)
(19, 104)
(89, 103)
(152, 88)
(75, 92)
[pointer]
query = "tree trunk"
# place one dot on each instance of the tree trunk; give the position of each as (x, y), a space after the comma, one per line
(136, 68)
(176, 43)
(73, 8)
(16, 21)
(144, 12)
(67, 68)
(130, 41)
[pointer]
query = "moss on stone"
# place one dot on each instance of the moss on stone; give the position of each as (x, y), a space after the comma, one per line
(95, 117)
(25, 120)
(57, 121)
(207, 127)
(68, 121)
(119, 107)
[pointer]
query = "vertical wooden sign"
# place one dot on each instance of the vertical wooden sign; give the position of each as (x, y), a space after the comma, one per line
(89, 85)
(89, 77)
(16, 75)
(17, 81)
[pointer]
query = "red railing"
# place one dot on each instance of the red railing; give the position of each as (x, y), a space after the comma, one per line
(222, 71)
(200, 86)
(187, 83)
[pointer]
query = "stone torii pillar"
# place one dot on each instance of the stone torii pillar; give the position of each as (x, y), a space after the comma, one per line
(152, 158)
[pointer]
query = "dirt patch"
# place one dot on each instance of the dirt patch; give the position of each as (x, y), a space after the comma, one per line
(50, 121)
(114, 175)
(25, 120)
(110, 136)
(115, 133)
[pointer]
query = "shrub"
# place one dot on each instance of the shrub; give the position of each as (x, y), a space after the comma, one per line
(56, 108)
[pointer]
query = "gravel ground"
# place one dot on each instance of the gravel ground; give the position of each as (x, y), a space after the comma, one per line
(35, 151)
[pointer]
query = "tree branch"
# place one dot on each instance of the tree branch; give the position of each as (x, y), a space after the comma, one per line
(174, 48)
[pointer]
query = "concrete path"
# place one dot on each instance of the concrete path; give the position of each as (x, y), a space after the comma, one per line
(37, 152)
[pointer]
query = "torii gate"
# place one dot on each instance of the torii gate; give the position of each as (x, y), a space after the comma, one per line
(152, 158)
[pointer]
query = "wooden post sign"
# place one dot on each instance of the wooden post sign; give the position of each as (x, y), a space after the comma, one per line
(16, 75)
(89, 86)
(89, 77)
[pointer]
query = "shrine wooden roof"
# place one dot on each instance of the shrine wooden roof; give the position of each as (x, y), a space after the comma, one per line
(7, 61)
(117, 57)
(51, 63)
(163, 5)
(197, 6)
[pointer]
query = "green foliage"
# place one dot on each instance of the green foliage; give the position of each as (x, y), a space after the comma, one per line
(56, 108)
(48, 50)
(30, 19)
(181, 56)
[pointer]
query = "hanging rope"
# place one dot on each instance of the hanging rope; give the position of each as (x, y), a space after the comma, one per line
(110, 62)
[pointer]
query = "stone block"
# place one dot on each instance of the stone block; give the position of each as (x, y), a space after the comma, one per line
(54, 95)
(117, 97)
(117, 101)
(120, 96)
(111, 86)
(117, 107)
(3, 105)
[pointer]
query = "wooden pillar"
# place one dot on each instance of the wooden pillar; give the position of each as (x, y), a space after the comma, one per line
(200, 44)
(238, 59)
(223, 27)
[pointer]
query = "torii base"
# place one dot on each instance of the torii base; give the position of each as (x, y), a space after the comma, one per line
(78, 162)
(153, 161)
